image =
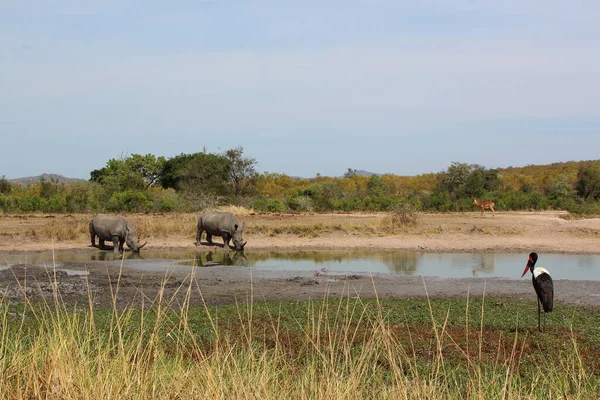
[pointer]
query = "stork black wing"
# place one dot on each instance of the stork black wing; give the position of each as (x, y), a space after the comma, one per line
(545, 290)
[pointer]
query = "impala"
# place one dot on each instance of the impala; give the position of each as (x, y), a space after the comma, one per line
(485, 205)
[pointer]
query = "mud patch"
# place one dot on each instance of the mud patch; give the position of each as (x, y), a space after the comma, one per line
(32, 282)
(303, 281)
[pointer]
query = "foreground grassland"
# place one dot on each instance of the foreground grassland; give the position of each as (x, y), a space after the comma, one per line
(345, 348)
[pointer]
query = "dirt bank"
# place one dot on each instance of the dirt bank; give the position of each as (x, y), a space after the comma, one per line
(544, 232)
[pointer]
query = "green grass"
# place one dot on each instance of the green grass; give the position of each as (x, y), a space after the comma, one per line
(332, 348)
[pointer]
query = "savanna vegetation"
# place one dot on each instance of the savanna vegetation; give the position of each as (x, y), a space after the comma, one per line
(192, 182)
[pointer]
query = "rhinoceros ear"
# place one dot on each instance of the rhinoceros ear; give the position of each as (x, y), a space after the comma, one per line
(243, 226)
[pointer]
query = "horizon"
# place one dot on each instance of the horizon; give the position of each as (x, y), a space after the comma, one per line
(329, 176)
(400, 88)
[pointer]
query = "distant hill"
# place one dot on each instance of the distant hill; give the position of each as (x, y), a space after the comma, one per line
(362, 172)
(30, 180)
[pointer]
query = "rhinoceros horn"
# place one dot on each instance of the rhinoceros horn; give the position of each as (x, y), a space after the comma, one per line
(143, 245)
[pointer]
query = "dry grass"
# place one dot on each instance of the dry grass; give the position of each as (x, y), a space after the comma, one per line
(342, 349)
(39, 228)
(59, 232)
(237, 210)
(439, 230)
(497, 230)
(572, 217)
(311, 230)
(164, 225)
(74, 228)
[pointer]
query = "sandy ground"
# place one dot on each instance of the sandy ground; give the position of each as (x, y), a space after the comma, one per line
(546, 232)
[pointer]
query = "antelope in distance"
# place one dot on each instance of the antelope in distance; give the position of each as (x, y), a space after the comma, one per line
(483, 205)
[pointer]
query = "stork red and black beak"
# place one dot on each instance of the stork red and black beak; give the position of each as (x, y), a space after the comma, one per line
(529, 262)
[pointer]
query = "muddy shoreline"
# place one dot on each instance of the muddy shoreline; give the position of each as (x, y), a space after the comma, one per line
(223, 285)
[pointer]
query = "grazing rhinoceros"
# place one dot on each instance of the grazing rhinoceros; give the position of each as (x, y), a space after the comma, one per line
(115, 229)
(224, 224)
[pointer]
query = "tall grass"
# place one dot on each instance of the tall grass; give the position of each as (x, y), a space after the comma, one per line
(343, 348)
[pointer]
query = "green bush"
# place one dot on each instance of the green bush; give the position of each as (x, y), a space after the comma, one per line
(439, 202)
(376, 203)
(31, 203)
(131, 201)
(82, 197)
(324, 195)
(275, 205)
(7, 203)
(5, 186)
(259, 205)
(300, 203)
(56, 204)
(349, 204)
(166, 200)
(466, 205)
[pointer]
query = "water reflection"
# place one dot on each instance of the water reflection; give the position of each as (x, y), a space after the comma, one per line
(111, 256)
(211, 259)
(446, 265)
(403, 262)
(483, 263)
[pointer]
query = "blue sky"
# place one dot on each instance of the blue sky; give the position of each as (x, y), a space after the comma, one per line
(305, 87)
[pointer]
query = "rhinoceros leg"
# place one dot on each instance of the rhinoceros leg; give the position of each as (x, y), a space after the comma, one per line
(209, 238)
(117, 244)
(226, 239)
(199, 236)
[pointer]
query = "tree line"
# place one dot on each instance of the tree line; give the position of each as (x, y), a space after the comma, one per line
(197, 181)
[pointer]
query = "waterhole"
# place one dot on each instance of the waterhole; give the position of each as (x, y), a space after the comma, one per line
(444, 265)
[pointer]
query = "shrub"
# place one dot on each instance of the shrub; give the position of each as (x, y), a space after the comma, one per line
(349, 204)
(7, 203)
(404, 214)
(301, 203)
(377, 203)
(165, 200)
(275, 205)
(130, 201)
(82, 197)
(324, 195)
(259, 205)
(56, 204)
(439, 202)
(5, 186)
(32, 203)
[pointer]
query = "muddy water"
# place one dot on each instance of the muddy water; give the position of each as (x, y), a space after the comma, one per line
(444, 265)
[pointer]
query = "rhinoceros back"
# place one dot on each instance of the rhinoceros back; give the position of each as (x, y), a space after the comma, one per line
(215, 222)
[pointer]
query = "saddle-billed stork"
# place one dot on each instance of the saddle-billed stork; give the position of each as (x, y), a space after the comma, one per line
(542, 283)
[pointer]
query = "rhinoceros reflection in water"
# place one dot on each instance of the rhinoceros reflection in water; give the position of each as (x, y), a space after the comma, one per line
(109, 256)
(211, 259)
